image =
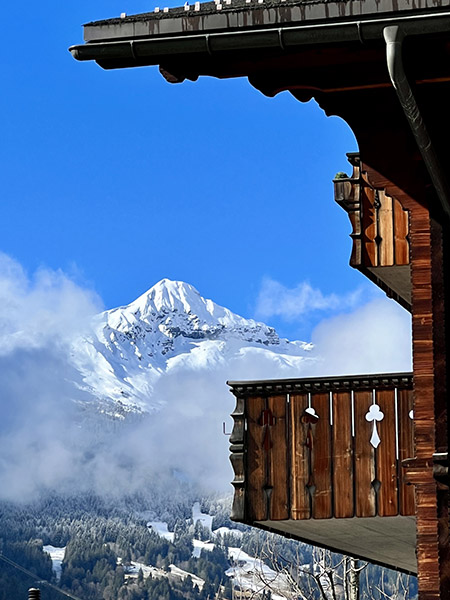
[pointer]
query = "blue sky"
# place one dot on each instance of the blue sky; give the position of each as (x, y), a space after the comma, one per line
(120, 179)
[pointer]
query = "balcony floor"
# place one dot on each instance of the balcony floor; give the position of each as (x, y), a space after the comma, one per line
(388, 541)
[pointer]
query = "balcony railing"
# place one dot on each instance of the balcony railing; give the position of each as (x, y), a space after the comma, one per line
(317, 449)
(380, 233)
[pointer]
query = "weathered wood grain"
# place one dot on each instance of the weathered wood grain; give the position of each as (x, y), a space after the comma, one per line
(364, 457)
(401, 231)
(321, 457)
(300, 500)
(385, 230)
(342, 455)
(407, 505)
(386, 461)
(277, 457)
(256, 461)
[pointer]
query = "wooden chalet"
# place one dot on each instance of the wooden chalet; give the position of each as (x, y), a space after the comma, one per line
(340, 462)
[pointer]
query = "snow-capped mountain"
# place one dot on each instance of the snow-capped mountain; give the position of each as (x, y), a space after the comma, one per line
(169, 327)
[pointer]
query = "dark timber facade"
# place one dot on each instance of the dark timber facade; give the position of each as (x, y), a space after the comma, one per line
(384, 67)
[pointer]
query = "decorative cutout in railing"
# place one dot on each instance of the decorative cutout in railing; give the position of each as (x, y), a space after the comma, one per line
(322, 448)
(373, 415)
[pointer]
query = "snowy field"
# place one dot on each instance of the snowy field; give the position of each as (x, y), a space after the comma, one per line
(199, 546)
(161, 529)
(197, 515)
(57, 556)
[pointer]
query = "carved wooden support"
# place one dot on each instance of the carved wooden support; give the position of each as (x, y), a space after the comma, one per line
(237, 459)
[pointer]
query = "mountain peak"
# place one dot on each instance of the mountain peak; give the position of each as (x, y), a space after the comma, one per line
(172, 296)
(174, 308)
(171, 324)
(170, 293)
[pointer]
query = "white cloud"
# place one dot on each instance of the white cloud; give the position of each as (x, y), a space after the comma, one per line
(275, 299)
(374, 338)
(37, 309)
(38, 317)
(49, 440)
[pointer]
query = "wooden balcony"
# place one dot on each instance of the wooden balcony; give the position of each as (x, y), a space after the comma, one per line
(380, 233)
(320, 460)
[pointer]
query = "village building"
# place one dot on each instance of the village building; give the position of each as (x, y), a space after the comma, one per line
(356, 464)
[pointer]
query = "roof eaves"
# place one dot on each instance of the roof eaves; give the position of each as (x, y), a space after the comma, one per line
(205, 8)
(286, 11)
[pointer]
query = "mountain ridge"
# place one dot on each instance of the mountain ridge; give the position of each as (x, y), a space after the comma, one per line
(130, 347)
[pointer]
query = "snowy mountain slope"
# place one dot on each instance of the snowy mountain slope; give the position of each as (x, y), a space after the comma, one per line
(171, 327)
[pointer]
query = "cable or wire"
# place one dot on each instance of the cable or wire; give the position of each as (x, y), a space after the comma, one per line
(35, 577)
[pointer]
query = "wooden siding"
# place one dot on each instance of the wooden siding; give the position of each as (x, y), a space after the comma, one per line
(331, 449)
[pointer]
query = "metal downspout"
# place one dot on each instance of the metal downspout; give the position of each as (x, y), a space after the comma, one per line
(394, 36)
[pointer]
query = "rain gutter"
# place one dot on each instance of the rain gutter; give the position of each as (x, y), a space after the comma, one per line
(394, 36)
(149, 50)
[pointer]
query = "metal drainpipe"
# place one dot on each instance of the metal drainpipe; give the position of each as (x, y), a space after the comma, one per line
(394, 36)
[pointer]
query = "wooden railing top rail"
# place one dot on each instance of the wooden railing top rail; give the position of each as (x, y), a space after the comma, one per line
(321, 384)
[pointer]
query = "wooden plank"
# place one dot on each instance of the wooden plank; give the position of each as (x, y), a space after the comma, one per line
(300, 500)
(385, 231)
(279, 501)
(342, 455)
(386, 460)
(401, 230)
(237, 459)
(365, 504)
(368, 232)
(256, 471)
(321, 453)
(423, 324)
(407, 505)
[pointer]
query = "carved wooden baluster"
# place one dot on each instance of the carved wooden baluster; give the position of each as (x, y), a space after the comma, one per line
(237, 460)
(347, 192)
